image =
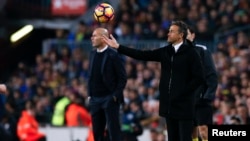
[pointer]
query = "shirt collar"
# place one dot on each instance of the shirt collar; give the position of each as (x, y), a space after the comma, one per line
(102, 50)
(177, 46)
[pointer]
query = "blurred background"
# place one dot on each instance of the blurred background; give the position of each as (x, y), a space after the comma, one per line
(51, 62)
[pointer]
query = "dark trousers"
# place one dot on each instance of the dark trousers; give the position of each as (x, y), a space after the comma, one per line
(179, 130)
(105, 113)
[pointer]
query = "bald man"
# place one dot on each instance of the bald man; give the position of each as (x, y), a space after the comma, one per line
(107, 79)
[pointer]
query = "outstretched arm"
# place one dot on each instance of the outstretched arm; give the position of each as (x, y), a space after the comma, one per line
(146, 55)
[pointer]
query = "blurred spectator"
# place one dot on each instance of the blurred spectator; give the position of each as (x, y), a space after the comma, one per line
(75, 113)
(243, 114)
(80, 34)
(8, 128)
(157, 135)
(235, 120)
(131, 126)
(58, 117)
(27, 126)
(4, 134)
(3, 88)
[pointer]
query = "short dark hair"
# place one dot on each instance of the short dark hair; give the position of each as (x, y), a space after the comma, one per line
(182, 27)
(235, 118)
(191, 29)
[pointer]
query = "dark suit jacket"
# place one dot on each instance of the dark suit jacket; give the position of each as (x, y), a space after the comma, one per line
(113, 72)
(181, 74)
(209, 88)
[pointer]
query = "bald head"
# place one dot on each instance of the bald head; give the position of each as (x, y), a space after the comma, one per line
(97, 37)
(102, 31)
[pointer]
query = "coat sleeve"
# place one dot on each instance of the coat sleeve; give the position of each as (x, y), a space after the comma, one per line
(210, 76)
(145, 55)
(197, 71)
(120, 72)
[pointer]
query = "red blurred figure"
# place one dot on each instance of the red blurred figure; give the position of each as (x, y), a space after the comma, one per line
(27, 126)
(78, 115)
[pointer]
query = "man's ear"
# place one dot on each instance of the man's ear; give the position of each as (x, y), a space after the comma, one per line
(181, 35)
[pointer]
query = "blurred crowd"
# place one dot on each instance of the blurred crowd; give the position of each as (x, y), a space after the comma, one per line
(60, 74)
(150, 19)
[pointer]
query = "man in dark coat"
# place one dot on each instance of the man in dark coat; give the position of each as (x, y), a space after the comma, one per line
(107, 79)
(206, 92)
(181, 75)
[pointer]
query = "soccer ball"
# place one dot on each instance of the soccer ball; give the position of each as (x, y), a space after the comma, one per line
(104, 13)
